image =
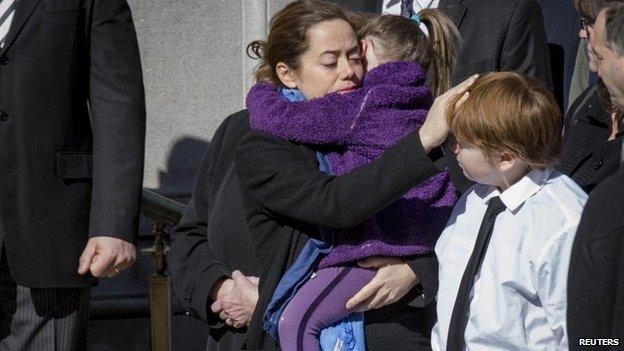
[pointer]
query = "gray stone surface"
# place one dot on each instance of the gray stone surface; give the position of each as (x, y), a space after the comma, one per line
(196, 73)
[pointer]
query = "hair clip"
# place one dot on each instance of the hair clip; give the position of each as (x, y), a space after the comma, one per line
(416, 19)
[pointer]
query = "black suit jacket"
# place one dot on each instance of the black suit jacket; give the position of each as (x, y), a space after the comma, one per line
(71, 135)
(596, 278)
(286, 198)
(500, 35)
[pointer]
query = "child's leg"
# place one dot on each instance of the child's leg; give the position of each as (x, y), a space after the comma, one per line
(319, 303)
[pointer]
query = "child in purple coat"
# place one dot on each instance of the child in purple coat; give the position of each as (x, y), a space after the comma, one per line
(357, 127)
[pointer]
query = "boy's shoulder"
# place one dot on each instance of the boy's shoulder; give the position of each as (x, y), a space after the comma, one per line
(563, 195)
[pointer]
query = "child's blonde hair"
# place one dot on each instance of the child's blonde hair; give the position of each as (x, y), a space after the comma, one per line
(401, 39)
(507, 112)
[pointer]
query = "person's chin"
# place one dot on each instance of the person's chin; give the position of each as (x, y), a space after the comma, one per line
(467, 175)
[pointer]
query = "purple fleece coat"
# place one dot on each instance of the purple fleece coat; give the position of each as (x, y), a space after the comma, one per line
(392, 102)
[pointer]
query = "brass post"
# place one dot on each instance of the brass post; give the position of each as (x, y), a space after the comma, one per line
(160, 291)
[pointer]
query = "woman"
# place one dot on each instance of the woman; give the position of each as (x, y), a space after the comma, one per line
(312, 45)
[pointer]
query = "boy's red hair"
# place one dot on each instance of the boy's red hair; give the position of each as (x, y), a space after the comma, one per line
(507, 112)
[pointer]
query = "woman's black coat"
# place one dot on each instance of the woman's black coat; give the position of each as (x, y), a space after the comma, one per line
(286, 198)
(212, 240)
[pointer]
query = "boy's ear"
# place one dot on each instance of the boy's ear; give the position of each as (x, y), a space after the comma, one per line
(506, 161)
(286, 75)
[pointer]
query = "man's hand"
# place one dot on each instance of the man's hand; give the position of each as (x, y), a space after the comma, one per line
(238, 300)
(106, 256)
(393, 280)
(435, 129)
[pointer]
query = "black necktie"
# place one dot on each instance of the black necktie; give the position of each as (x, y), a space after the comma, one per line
(457, 326)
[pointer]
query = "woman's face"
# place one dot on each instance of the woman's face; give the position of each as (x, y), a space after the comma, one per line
(331, 64)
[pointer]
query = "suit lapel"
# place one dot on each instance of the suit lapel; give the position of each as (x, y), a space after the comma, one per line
(455, 9)
(23, 11)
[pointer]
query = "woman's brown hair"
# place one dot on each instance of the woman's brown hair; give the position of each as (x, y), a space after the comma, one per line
(401, 39)
(507, 112)
(287, 39)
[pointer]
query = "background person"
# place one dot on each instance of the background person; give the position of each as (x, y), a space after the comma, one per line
(592, 133)
(72, 129)
(599, 246)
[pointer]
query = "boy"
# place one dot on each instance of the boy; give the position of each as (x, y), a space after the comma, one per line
(505, 251)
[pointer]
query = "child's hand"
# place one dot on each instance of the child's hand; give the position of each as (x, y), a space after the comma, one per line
(435, 129)
(393, 280)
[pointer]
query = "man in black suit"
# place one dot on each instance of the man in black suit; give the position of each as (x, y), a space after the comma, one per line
(596, 276)
(72, 129)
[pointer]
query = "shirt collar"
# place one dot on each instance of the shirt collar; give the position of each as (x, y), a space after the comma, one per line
(519, 192)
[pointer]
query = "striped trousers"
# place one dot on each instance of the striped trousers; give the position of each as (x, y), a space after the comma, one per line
(41, 319)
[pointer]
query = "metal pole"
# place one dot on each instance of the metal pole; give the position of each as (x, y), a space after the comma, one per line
(160, 292)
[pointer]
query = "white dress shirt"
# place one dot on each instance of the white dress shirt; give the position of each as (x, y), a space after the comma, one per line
(518, 300)
(7, 11)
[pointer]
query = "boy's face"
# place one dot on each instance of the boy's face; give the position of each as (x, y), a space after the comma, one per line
(476, 165)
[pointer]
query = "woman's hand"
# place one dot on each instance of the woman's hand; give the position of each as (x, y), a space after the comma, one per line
(237, 305)
(393, 280)
(435, 129)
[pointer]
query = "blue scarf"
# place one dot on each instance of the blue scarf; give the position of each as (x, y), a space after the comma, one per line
(346, 334)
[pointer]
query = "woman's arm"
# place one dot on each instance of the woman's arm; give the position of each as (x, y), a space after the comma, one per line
(322, 121)
(278, 176)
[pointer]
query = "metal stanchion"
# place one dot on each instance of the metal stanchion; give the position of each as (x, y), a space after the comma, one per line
(164, 212)
(160, 292)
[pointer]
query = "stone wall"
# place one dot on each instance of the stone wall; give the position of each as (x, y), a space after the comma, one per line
(196, 73)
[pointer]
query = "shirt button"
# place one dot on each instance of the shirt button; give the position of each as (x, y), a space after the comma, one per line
(599, 162)
(4, 60)
(3, 116)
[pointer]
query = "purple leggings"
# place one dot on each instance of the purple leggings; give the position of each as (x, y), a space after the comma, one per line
(319, 303)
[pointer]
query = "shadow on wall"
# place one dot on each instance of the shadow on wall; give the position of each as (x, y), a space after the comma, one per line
(177, 180)
(119, 313)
